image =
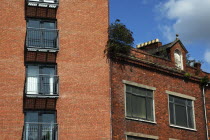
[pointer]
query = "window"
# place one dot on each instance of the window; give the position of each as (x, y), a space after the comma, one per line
(41, 34)
(35, 23)
(178, 59)
(41, 80)
(181, 112)
(48, 1)
(137, 138)
(40, 125)
(139, 103)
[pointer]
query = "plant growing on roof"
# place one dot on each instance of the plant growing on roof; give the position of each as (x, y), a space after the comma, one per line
(192, 62)
(204, 81)
(187, 76)
(120, 40)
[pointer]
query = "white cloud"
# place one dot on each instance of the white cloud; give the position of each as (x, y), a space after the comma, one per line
(207, 56)
(167, 32)
(192, 19)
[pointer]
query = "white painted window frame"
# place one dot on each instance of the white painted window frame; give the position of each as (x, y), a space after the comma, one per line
(185, 97)
(125, 82)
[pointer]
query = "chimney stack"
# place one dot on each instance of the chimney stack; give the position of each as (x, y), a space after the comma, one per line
(197, 65)
(150, 45)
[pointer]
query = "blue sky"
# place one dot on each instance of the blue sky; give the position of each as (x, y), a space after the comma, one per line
(163, 19)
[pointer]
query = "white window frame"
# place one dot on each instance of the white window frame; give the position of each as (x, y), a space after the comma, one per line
(140, 135)
(181, 59)
(141, 86)
(193, 109)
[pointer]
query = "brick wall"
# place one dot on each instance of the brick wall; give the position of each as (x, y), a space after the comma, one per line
(12, 70)
(162, 81)
(83, 108)
(150, 70)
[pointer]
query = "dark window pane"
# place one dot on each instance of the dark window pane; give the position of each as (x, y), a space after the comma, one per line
(139, 107)
(171, 98)
(139, 103)
(128, 105)
(181, 112)
(150, 109)
(171, 107)
(135, 90)
(181, 115)
(48, 25)
(47, 70)
(149, 93)
(48, 118)
(190, 117)
(142, 92)
(189, 103)
(180, 101)
(128, 88)
(33, 23)
(47, 80)
(31, 117)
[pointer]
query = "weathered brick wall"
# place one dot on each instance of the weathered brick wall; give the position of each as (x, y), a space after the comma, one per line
(83, 108)
(162, 81)
(12, 70)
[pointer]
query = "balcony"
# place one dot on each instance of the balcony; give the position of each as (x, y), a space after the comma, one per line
(40, 131)
(42, 86)
(39, 39)
(43, 3)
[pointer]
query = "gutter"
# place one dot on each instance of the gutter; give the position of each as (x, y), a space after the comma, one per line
(205, 114)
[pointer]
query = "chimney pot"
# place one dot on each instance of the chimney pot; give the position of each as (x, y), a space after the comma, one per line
(197, 65)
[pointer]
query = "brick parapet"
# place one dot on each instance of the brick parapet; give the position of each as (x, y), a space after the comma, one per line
(162, 62)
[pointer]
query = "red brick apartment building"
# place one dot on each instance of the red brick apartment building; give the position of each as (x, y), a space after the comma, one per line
(56, 83)
(54, 76)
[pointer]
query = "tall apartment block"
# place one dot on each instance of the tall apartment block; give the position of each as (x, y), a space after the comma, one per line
(54, 76)
(56, 83)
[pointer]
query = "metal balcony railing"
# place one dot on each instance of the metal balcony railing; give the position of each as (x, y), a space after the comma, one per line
(40, 131)
(44, 1)
(39, 38)
(42, 85)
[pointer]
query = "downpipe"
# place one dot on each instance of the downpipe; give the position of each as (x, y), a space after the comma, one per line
(204, 103)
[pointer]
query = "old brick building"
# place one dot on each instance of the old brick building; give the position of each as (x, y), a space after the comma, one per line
(155, 95)
(56, 83)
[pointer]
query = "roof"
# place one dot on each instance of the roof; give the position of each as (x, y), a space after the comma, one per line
(166, 46)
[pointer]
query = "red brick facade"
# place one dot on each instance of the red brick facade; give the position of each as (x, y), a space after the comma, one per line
(12, 70)
(83, 106)
(152, 71)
